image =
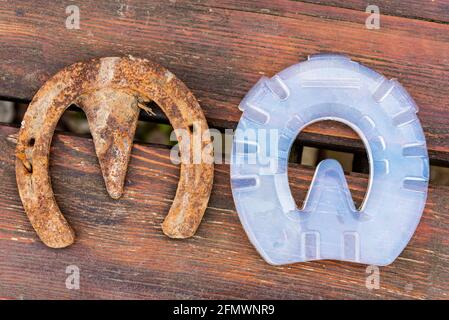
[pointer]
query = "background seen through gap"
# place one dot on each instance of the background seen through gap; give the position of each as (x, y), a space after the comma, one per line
(156, 130)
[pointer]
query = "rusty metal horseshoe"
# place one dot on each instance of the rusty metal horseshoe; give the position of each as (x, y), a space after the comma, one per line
(110, 91)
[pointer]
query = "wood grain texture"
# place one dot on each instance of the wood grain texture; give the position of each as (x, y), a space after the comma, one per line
(221, 48)
(433, 10)
(122, 252)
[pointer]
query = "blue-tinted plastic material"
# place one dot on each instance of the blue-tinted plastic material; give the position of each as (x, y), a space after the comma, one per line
(328, 226)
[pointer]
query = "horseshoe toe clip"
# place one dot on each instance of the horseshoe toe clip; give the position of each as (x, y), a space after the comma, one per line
(110, 91)
(330, 87)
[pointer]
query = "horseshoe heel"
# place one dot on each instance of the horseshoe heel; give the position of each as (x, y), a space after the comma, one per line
(330, 87)
(110, 91)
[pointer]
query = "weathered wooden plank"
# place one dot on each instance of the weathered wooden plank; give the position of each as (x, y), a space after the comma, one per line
(433, 10)
(122, 253)
(220, 50)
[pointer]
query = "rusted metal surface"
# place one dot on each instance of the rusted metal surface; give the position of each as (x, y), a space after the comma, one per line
(110, 91)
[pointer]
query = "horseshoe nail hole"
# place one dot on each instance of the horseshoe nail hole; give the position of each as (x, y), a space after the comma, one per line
(309, 154)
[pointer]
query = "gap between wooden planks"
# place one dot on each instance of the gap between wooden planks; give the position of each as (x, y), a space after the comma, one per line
(122, 253)
(221, 48)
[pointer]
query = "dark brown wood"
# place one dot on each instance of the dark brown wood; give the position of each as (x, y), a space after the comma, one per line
(360, 163)
(221, 48)
(122, 253)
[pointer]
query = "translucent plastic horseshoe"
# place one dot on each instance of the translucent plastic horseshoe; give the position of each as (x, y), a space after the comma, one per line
(330, 87)
(110, 91)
